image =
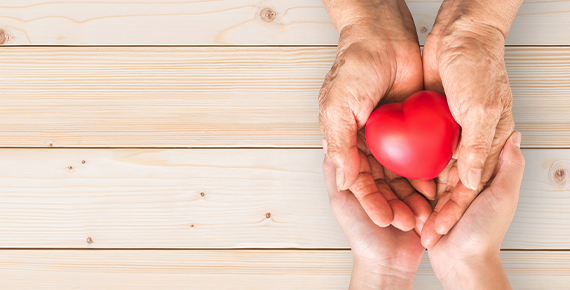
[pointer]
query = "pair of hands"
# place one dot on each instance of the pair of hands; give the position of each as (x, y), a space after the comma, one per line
(468, 257)
(378, 62)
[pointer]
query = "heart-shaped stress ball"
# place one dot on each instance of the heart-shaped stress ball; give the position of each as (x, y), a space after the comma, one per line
(415, 138)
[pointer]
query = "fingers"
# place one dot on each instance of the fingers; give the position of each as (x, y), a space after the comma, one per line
(478, 130)
(463, 195)
(494, 208)
(429, 235)
(453, 209)
(339, 127)
(404, 218)
(418, 205)
(425, 187)
(507, 182)
(372, 200)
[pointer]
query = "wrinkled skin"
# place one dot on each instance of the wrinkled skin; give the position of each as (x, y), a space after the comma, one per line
(466, 62)
(377, 62)
(472, 247)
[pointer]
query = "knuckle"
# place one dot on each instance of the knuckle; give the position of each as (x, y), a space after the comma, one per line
(477, 149)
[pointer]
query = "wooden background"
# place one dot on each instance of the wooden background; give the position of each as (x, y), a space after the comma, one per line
(175, 145)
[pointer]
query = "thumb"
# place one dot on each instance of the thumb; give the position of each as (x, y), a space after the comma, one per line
(340, 129)
(478, 131)
(510, 168)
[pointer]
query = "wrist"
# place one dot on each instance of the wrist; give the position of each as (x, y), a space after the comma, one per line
(481, 272)
(478, 16)
(360, 12)
(368, 274)
(371, 18)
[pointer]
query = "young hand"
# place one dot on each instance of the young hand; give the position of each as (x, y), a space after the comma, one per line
(383, 258)
(468, 257)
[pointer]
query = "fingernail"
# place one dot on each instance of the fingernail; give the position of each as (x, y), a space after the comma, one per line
(473, 177)
(441, 230)
(339, 178)
(420, 225)
(516, 139)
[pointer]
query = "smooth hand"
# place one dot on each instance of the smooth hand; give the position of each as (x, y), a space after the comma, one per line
(383, 258)
(468, 257)
(378, 61)
(463, 58)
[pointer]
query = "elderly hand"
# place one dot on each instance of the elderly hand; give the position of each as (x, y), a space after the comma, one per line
(468, 257)
(463, 58)
(383, 258)
(378, 61)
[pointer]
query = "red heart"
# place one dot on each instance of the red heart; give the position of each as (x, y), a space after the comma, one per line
(415, 138)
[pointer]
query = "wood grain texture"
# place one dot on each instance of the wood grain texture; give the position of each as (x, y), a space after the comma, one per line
(235, 269)
(130, 22)
(217, 97)
(258, 198)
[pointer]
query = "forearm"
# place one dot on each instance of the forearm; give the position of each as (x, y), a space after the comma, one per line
(487, 273)
(344, 13)
(496, 14)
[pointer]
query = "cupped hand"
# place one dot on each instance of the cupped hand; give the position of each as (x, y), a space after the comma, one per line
(472, 247)
(378, 61)
(465, 61)
(384, 258)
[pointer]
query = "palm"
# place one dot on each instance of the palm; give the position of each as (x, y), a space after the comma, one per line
(478, 229)
(389, 247)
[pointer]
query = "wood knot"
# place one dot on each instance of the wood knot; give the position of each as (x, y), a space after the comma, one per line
(268, 15)
(69, 167)
(3, 36)
(558, 173)
(82, 161)
(89, 240)
(268, 215)
(202, 194)
(423, 29)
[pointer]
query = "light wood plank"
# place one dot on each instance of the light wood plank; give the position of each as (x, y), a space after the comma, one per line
(269, 269)
(106, 22)
(219, 97)
(264, 198)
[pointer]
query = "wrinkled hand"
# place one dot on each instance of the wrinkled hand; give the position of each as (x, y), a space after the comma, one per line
(465, 61)
(377, 62)
(384, 258)
(471, 250)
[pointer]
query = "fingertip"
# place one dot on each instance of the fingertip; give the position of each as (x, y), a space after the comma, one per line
(474, 178)
(516, 139)
(419, 206)
(447, 217)
(442, 225)
(426, 187)
(429, 236)
(441, 228)
(339, 179)
(378, 209)
(403, 219)
(348, 171)
(419, 226)
(382, 221)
